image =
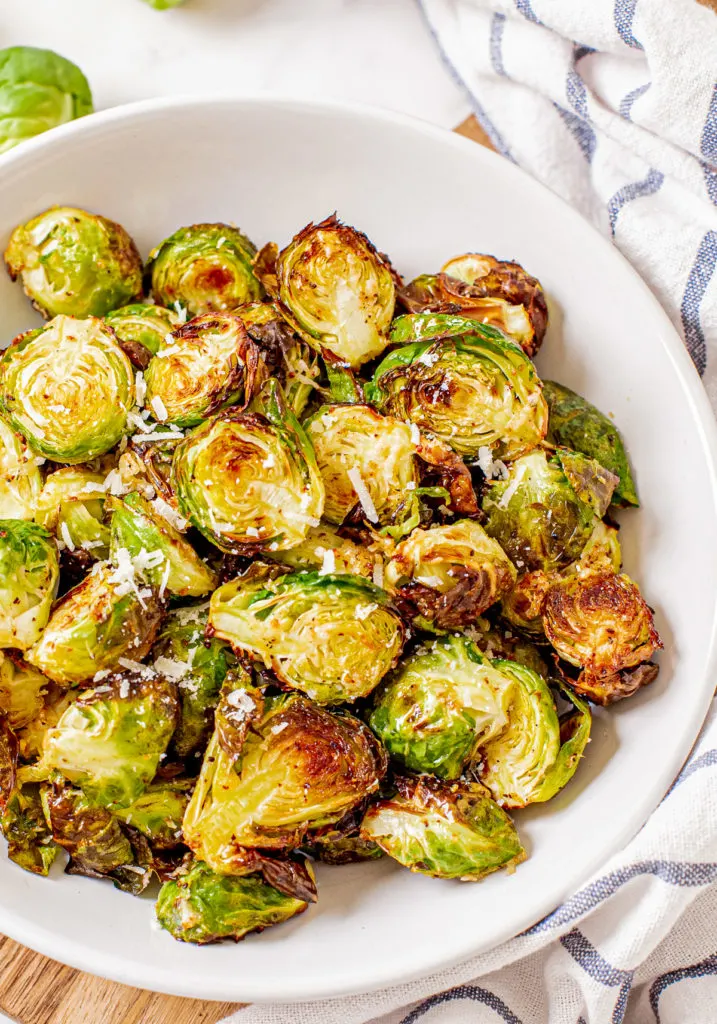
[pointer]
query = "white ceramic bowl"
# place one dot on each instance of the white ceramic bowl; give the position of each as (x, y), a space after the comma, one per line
(422, 195)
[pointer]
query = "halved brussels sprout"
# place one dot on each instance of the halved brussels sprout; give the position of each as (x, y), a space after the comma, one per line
(607, 689)
(325, 547)
(157, 813)
(575, 725)
(20, 479)
(298, 767)
(68, 388)
(29, 577)
(600, 623)
(176, 567)
(577, 424)
(592, 483)
(448, 575)
(444, 702)
(523, 606)
(105, 618)
(205, 268)
(495, 640)
(536, 516)
(365, 460)
(517, 761)
(249, 480)
(335, 289)
(110, 740)
(31, 737)
(332, 636)
(203, 906)
(22, 690)
(463, 381)
(74, 263)
(71, 506)
(23, 824)
(207, 364)
(446, 830)
(341, 843)
(141, 329)
(601, 552)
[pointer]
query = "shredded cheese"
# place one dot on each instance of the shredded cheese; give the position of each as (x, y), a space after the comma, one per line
(363, 495)
(159, 408)
(140, 388)
(66, 538)
(329, 563)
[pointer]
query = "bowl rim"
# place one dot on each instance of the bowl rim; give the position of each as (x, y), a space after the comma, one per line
(107, 965)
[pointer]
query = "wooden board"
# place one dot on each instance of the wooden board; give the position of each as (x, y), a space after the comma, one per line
(36, 990)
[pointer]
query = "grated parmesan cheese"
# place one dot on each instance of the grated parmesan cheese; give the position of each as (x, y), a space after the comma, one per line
(165, 579)
(378, 572)
(124, 689)
(415, 434)
(66, 538)
(491, 468)
(509, 492)
(364, 610)
(140, 388)
(364, 497)
(134, 666)
(167, 435)
(159, 408)
(329, 563)
(102, 674)
(166, 511)
(240, 700)
(251, 531)
(172, 668)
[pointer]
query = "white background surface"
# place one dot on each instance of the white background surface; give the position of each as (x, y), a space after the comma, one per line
(372, 51)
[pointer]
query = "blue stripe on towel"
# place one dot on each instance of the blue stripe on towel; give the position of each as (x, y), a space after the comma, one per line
(524, 8)
(496, 44)
(624, 15)
(706, 760)
(697, 284)
(580, 130)
(471, 993)
(700, 970)
(710, 182)
(635, 190)
(599, 969)
(708, 142)
(627, 102)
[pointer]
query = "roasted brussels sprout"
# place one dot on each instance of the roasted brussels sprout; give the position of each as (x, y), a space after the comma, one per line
(67, 388)
(23, 824)
(577, 424)
(29, 577)
(366, 460)
(136, 527)
(207, 364)
(600, 623)
(575, 727)
(463, 381)
(323, 548)
(523, 606)
(20, 480)
(444, 702)
(74, 263)
(107, 617)
(447, 830)
(341, 843)
(71, 506)
(601, 552)
(141, 330)
(157, 813)
(299, 767)
(205, 268)
(448, 575)
(332, 636)
(249, 480)
(22, 690)
(110, 740)
(334, 288)
(39, 90)
(203, 906)
(31, 737)
(536, 516)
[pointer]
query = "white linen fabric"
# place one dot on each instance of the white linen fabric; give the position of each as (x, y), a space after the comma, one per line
(613, 105)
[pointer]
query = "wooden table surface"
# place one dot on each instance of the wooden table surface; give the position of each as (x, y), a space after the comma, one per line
(36, 990)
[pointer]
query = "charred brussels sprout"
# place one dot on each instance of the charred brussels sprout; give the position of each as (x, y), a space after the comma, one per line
(74, 263)
(577, 424)
(157, 813)
(23, 824)
(141, 329)
(324, 546)
(29, 577)
(136, 527)
(22, 690)
(447, 830)
(106, 617)
(575, 725)
(110, 740)
(298, 767)
(249, 481)
(334, 637)
(365, 460)
(207, 364)
(463, 381)
(335, 288)
(523, 606)
(206, 268)
(20, 480)
(203, 906)
(71, 506)
(601, 552)
(444, 702)
(536, 516)
(448, 575)
(67, 388)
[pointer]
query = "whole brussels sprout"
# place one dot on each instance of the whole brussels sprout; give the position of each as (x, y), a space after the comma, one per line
(141, 330)
(39, 90)
(157, 813)
(249, 481)
(207, 364)
(20, 479)
(448, 575)
(71, 506)
(463, 381)
(68, 388)
(440, 706)
(204, 906)
(365, 460)
(176, 568)
(297, 767)
(446, 830)
(105, 618)
(334, 288)
(577, 424)
(74, 263)
(29, 577)
(110, 740)
(323, 545)
(205, 268)
(22, 690)
(333, 637)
